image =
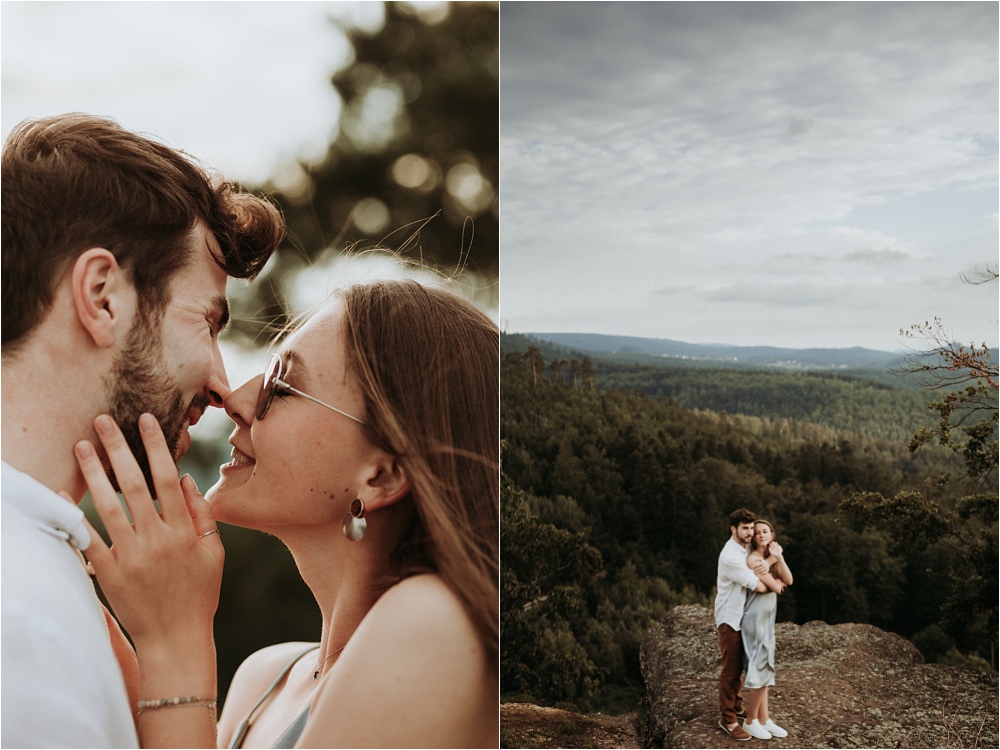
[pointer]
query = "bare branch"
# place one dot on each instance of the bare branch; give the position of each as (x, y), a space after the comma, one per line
(982, 275)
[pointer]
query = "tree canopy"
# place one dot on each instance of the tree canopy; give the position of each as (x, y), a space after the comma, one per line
(416, 149)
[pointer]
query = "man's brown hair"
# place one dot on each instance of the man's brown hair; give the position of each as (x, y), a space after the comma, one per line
(740, 516)
(75, 181)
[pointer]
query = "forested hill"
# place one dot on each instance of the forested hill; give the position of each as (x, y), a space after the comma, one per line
(874, 403)
(614, 506)
(635, 348)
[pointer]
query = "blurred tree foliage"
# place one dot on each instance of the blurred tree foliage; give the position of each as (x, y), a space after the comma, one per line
(417, 147)
(649, 485)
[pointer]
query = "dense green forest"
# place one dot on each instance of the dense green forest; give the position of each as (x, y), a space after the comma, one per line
(871, 403)
(616, 495)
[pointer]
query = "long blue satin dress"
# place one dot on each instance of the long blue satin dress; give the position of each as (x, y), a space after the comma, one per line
(757, 630)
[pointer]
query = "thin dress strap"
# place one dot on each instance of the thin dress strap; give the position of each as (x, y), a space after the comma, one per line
(241, 731)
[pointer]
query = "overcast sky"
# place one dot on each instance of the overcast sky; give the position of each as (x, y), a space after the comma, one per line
(242, 86)
(814, 174)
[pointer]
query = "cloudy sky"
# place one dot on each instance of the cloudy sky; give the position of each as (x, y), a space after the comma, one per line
(243, 86)
(814, 174)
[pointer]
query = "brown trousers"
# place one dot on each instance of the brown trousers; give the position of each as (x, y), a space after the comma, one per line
(731, 677)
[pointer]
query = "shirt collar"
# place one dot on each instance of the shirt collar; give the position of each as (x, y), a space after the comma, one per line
(43, 507)
(737, 546)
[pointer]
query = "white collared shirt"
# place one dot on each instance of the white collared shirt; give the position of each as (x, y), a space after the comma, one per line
(732, 584)
(61, 685)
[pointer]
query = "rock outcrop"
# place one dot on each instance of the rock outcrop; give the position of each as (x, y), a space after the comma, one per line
(836, 686)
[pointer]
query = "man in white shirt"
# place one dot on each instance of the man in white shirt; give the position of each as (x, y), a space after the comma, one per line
(731, 590)
(116, 251)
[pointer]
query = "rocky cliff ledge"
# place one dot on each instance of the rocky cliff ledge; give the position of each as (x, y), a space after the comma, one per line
(836, 686)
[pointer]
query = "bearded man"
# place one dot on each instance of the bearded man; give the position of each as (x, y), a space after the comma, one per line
(116, 252)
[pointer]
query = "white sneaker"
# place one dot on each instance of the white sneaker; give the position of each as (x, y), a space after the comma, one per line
(754, 729)
(775, 730)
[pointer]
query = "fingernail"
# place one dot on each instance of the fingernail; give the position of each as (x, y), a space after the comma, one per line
(84, 449)
(104, 425)
(188, 481)
(147, 424)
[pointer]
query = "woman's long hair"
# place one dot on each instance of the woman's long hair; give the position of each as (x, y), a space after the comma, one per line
(428, 363)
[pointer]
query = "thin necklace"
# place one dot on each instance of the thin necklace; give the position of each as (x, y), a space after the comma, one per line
(319, 667)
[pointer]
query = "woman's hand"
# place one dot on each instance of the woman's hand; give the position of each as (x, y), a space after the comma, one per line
(776, 550)
(163, 572)
(162, 576)
(783, 571)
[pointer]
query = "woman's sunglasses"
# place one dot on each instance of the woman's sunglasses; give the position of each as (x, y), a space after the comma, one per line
(272, 382)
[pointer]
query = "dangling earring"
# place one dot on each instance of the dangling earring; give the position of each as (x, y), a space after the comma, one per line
(354, 522)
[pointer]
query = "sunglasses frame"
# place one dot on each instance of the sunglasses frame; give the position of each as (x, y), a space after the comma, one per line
(272, 382)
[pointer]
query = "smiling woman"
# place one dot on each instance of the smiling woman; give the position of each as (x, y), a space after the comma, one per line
(370, 448)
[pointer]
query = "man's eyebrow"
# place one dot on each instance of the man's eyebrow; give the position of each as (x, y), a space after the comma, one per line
(221, 305)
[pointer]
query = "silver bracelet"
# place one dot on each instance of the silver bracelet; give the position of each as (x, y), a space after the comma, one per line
(173, 702)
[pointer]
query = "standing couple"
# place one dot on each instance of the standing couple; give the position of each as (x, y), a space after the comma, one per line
(752, 572)
(369, 447)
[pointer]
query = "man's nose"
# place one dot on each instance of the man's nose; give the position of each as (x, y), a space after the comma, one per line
(217, 388)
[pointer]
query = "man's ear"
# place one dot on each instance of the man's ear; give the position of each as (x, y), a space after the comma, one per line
(386, 484)
(97, 283)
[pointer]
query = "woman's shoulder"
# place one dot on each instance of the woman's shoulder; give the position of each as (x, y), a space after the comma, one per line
(263, 666)
(279, 651)
(421, 611)
(416, 651)
(253, 677)
(420, 596)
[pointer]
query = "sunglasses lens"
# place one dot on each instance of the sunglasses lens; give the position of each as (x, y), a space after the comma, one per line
(267, 386)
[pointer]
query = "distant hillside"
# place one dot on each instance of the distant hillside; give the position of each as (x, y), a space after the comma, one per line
(869, 401)
(724, 355)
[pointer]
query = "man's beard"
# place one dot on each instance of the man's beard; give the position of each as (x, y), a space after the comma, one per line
(140, 383)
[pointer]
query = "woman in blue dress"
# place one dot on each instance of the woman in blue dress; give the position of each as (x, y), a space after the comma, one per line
(757, 629)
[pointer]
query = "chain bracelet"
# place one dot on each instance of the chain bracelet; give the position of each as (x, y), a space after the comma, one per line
(152, 705)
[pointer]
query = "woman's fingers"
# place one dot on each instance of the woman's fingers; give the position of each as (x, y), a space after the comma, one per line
(105, 498)
(198, 508)
(130, 478)
(163, 470)
(203, 519)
